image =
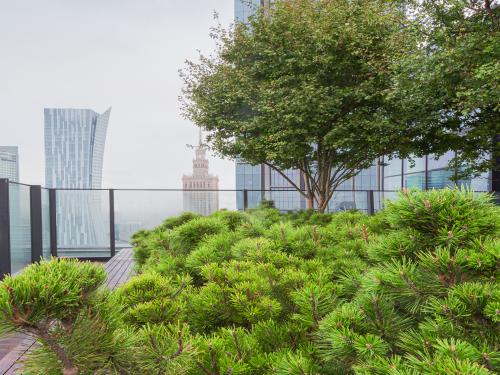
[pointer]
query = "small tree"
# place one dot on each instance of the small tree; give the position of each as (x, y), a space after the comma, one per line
(304, 85)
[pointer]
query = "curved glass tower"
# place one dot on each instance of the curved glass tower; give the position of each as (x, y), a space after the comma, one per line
(74, 150)
(74, 147)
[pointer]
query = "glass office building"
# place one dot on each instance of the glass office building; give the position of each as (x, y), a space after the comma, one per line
(282, 192)
(74, 150)
(249, 177)
(351, 194)
(429, 172)
(262, 182)
(243, 9)
(9, 163)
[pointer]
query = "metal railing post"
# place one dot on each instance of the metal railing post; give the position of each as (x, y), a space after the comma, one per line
(245, 199)
(36, 223)
(112, 246)
(370, 202)
(5, 265)
(53, 222)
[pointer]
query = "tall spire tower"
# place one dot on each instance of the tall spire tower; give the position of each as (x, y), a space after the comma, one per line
(200, 188)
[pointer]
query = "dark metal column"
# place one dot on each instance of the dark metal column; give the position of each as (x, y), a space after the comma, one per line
(245, 199)
(53, 222)
(426, 172)
(495, 173)
(112, 222)
(402, 173)
(5, 266)
(370, 202)
(36, 223)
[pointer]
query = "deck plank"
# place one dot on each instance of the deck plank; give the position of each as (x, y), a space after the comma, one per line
(14, 346)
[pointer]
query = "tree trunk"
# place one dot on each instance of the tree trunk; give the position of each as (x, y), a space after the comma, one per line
(310, 202)
(322, 201)
(309, 192)
(69, 368)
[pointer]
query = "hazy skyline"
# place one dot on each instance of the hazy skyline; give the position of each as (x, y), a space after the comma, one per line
(123, 54)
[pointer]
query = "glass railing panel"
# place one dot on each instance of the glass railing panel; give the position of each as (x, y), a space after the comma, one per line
(287, 200)
(342, 201)
(20, 226)
(146, 209)
(45, 224)
(82, 218)
(381, 197)
(143, 209)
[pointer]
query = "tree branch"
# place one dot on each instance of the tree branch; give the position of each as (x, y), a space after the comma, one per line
(285, 177)
(487, 5)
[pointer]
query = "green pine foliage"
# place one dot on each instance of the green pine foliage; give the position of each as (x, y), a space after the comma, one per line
(186, 237)
(153, 298)
(176, 221)
(58, 303)
(411, 290)
(233, 219)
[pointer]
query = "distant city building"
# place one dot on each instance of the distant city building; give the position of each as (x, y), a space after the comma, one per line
(20, 238)
(200, 193)
(429, 172)
(249, 177)
(9, 163)
(74, 149)
(243, 9)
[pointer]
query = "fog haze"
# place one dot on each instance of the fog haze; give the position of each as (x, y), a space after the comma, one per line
(96, 54)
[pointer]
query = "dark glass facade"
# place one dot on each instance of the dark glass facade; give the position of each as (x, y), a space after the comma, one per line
(249, 177)
(356, 197)
(243, 9)
(428, 172)
(284, 195)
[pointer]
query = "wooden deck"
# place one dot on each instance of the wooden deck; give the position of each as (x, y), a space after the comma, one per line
(14, 346)
(119, 268)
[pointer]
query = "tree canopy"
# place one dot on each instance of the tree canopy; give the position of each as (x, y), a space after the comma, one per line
(329, 86)
(448, 85)
(305, 84)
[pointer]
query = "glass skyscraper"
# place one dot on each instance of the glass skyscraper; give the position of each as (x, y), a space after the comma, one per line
(243, 9)
(9, 163)
(429, 172)
(74, 147)
(74, 150)
(249, 177)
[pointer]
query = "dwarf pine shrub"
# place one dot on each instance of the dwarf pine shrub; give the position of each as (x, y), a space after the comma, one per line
(153, 298)
(392, 293)
(233, 219)
(309, 217)
(411, 290)
(58, 303)
(186, 237)
(176, 221)
(213, 249)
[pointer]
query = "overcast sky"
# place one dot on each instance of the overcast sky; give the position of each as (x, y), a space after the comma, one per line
(96, 54)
